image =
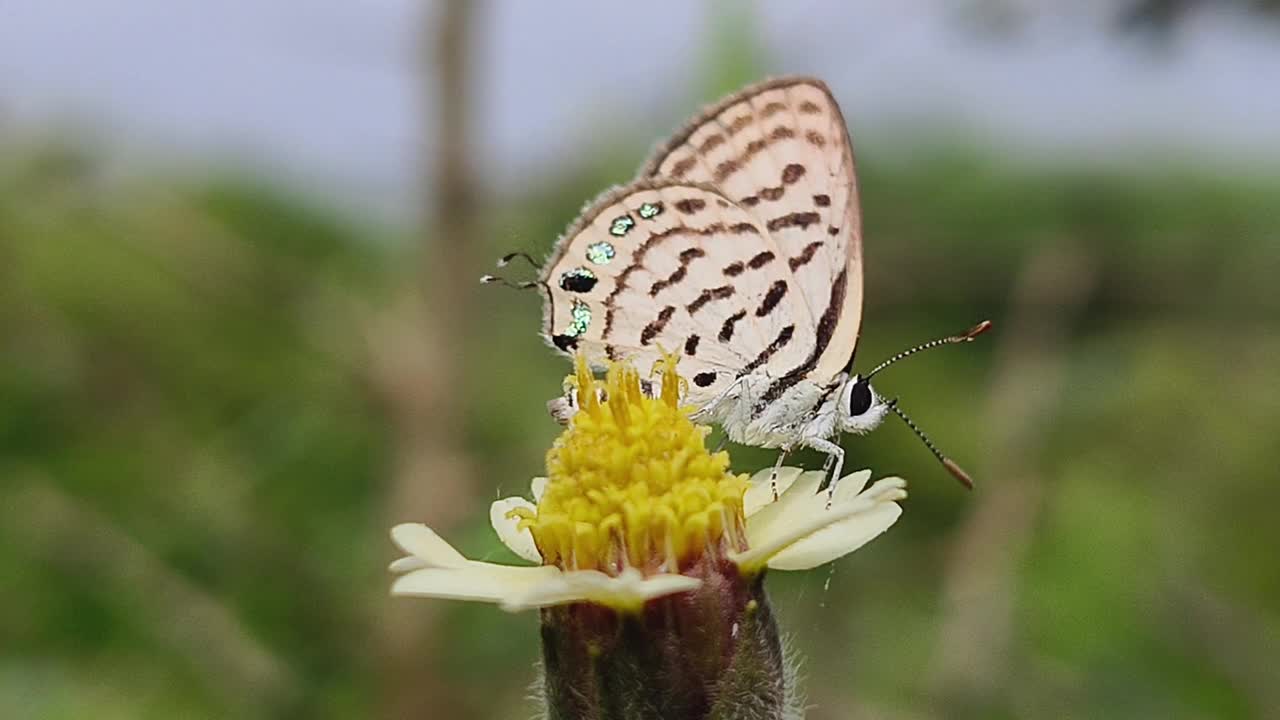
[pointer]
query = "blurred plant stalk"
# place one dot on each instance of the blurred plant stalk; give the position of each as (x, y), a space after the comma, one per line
(975, 650)
(416, 353)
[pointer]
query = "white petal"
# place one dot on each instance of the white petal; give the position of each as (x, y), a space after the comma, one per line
(837, 540)
(406, 564)
(815, 532)
(538, 486)
(423, 542)
(852, 484)
(760, 493)
(483, 582)
(508, 528)
(790, 507)
(627, 591)
(800, 497)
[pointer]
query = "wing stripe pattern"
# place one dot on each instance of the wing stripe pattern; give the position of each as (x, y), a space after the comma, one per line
(656, 284)
(826, 328)
(784, 337)
(679, 273)
(785, 145)
(803, 258)
(776, 292)
(652, 329)
(790, 175)
(691, 345)
(801, 220)
(720, 293)
(691, 205)
(762, 177)
(726, 330)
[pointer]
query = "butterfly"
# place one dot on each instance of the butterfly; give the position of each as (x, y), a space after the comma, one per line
(738, 246)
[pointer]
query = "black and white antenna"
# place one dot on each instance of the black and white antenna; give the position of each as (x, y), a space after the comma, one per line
(492, 279)
(956, 471)
(506, 260)
(967, 336)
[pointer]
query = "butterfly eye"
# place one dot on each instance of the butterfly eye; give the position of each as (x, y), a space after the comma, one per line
(859, 398)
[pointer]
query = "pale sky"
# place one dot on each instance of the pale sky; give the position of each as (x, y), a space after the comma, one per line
(325, 90)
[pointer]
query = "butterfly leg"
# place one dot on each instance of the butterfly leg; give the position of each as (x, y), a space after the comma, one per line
(835, 455)
(773, 476)
(563, 408)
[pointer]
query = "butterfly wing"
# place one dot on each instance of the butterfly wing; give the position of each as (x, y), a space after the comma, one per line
(672, 265)
(781, 150)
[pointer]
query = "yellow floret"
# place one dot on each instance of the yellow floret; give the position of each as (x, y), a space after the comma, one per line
(631, 483)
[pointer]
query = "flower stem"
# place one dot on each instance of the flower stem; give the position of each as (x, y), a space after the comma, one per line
(710, 654)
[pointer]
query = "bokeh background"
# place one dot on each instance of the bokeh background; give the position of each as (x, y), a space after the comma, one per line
(241, 336)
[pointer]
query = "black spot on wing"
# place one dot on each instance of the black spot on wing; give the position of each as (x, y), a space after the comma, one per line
(652, 329)
(711, 143)
(691, 345)
(727, 168)
(772, 298)
(704, 379)
(801, 220)
(690, 206)
(772, 109)
(720, 293)
(792, 173)
(726, 330)
(676, 276)
(760, 260)
(682, 166)
(805, 255)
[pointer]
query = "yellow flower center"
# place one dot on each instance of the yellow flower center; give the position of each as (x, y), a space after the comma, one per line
(631, 483)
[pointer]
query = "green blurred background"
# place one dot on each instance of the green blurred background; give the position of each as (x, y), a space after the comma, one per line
(219, 387)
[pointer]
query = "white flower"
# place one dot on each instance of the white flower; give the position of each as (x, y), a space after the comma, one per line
(802, 529)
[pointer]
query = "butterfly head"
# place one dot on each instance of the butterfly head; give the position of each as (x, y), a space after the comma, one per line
(862, 409)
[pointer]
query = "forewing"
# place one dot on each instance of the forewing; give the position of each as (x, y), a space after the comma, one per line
(781, 150)
(675, 266)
